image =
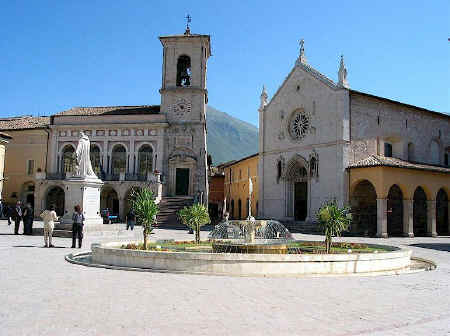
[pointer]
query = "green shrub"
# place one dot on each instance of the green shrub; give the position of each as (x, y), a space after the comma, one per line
(195, 217)
(333, 220)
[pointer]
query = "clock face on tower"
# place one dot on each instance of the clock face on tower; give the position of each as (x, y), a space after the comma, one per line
(181, 108)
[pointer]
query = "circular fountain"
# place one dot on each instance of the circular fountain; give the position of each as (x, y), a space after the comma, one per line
(249, 248)
(250, 236)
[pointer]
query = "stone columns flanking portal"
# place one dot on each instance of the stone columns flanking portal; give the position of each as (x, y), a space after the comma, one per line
(382, 218)
(431, 218)
(408, 218)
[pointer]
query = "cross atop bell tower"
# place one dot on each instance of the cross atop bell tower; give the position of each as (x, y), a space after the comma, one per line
(188, 28)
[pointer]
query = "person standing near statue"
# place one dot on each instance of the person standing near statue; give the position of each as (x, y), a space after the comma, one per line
(49, 216)
(77, 226)
(28, 217)
(16, 215)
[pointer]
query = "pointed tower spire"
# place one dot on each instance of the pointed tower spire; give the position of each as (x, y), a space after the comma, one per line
(342, 74)
(302, 58)
(263, 98)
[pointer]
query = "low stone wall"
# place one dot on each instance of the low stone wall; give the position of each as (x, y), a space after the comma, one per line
(251, 264)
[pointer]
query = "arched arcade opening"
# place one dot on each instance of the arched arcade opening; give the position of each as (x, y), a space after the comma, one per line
(364, 209)
(420, 212)
(395, 211)
(55, 196)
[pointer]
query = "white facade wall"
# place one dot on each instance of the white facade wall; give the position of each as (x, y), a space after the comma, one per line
(375, 121)
(327, 106)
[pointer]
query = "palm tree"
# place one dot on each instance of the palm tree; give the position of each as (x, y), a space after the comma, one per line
(333, 220)
(195, 217)
(144, 206)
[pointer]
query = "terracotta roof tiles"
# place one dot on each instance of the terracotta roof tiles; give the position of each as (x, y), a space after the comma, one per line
(378, 161)
(24, 122)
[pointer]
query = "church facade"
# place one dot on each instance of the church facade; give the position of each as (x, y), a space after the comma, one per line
(163, 146)
(320, 141)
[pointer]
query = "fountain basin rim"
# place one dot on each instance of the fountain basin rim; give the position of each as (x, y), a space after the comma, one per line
(114, 248)
(250, 264)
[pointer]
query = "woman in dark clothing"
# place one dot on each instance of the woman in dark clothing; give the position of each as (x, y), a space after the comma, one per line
(77, 226)
(28, 220)
(16, 215)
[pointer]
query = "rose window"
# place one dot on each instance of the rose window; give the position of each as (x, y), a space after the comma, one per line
(299, 125)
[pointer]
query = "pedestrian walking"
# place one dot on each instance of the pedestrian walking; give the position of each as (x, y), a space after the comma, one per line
(16, 215)
(77, 226)
(28, 217)
(49, 216)
(7, 211)
(131, 219)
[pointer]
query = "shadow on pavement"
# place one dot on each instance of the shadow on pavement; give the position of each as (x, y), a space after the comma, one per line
(434, 246)
(25, 246)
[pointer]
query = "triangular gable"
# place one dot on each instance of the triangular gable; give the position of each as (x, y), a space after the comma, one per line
(313, 72)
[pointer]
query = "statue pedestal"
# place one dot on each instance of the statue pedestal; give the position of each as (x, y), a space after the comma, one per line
(86, 193)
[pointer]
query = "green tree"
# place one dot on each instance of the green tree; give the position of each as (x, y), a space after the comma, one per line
(333, 220)
(144, 206)
(194, 217)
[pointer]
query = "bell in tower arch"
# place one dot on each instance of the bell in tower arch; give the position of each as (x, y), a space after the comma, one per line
(184, 71)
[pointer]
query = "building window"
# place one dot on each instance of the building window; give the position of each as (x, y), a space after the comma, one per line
(184, 71)
(95, 159)
(248, 172)
(240, 174)
(68, 160)
(387, 149)
(145, 160)
(434, 152)
(411, 152)
(446, 159)
(30, 167)
(231, 175)
(279, 171)
(119, 160)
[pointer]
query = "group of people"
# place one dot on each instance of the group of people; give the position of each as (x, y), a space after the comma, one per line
(49, 217)
(17, 214)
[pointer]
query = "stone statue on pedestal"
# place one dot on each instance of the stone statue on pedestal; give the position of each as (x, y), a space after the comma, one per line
(83, 188)
(83, 166)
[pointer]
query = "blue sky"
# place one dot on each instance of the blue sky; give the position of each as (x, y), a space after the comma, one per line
(60, 54)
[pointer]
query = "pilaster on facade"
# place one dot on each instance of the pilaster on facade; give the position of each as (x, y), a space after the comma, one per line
(408, 218)
(431, 218)
(382, 218)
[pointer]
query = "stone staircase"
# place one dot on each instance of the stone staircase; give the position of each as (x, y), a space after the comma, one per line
(168, 208)
(302, 227)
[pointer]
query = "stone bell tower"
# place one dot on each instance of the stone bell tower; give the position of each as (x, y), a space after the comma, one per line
(183, 99)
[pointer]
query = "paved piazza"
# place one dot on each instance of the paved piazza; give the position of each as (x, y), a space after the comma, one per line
(42, 294)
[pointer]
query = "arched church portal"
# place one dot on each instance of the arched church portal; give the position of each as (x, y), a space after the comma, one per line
(297, 188)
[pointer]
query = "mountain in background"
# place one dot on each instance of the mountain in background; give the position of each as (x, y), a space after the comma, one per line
(229, 138)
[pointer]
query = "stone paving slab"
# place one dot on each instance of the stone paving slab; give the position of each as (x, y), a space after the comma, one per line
(42, 294)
